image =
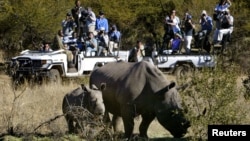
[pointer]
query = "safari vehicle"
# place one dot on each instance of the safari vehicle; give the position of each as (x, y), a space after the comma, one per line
(53, 65)
(182, 64)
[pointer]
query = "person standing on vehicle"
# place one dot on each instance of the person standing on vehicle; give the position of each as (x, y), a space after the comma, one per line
(91, 20)
(188, 30)
(79, 14)
(68, 25)
(101, 21)
(206, 23)
(175, 22)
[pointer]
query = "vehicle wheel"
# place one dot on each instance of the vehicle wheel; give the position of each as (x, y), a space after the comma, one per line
(55, 77)
(183, 71)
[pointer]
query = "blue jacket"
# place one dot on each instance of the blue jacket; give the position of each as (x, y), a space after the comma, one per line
(207, 25)
(102, 22)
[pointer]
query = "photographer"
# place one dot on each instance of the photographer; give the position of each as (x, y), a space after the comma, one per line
(188, 31)
(114, 36)
(78, 13)
(68, 25)
(226, 25)
(90, 20)
(103, 40)
(91, 44)
(219, 10)
(206, 23)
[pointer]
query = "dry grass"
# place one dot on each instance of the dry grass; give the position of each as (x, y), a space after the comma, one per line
(24, 110)
(27, 108)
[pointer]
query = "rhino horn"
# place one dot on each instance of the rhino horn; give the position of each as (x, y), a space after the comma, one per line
(93, 86)
(85, 88)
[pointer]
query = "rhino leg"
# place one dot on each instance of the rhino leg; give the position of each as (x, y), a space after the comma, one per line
(127, 114)
(116, 122)
(70, 123)
(146, 120)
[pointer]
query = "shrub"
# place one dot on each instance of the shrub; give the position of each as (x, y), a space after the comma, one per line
(214, 98)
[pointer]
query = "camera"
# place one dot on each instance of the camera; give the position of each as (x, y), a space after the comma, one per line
(203, 15)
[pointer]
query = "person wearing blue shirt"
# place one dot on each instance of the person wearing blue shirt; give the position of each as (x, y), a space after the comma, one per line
(101, 21)
(206, 23)
(91, 44)
(114, 38)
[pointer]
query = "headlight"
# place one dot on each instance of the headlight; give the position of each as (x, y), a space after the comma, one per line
(46, 62)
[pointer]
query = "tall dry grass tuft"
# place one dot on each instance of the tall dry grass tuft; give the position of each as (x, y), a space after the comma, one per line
(24, 110)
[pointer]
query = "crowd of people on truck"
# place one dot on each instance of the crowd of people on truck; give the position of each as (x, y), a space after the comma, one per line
(83, 30)
(176, 30)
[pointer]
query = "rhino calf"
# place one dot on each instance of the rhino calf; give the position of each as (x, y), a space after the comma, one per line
(78, 102)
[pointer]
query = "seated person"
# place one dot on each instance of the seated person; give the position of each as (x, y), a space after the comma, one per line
(226, 27)
(46, 47)
(91, 44)
(175, 43)
(71, 41)
(70, 56)
(103, 40)
(137, 53)
(114, 36)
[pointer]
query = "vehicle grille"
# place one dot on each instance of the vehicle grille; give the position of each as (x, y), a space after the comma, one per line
(28, 63)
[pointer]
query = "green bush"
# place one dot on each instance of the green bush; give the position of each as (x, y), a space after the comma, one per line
(214, 97)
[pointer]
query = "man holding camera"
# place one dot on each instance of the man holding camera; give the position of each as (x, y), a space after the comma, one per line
(79, 13)
(206, 23)
(219, 14)
(68, 25)
(226, 25)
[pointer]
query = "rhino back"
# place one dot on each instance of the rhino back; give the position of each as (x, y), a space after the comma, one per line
(73, 98)
(128, 83)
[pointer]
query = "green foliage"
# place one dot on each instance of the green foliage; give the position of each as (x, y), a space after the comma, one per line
(26, 23)
(214, 98)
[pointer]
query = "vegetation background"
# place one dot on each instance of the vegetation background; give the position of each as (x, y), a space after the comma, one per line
(26, 23)
(214, 96)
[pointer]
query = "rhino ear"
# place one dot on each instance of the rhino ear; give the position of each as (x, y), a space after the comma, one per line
(171, 85)
(103, 86)
(83, 86)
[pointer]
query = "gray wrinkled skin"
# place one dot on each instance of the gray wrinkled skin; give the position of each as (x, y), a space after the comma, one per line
(140, 89)
(79, 99)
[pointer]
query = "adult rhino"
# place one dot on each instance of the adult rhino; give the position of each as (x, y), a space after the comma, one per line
(140, 89)
(77, 101)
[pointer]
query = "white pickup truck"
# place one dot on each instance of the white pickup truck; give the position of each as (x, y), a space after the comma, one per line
(181, 64)
(54, 65)
(30, 65)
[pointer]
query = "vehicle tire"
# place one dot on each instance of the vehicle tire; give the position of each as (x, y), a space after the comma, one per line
(54, 76)
(183, 71)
